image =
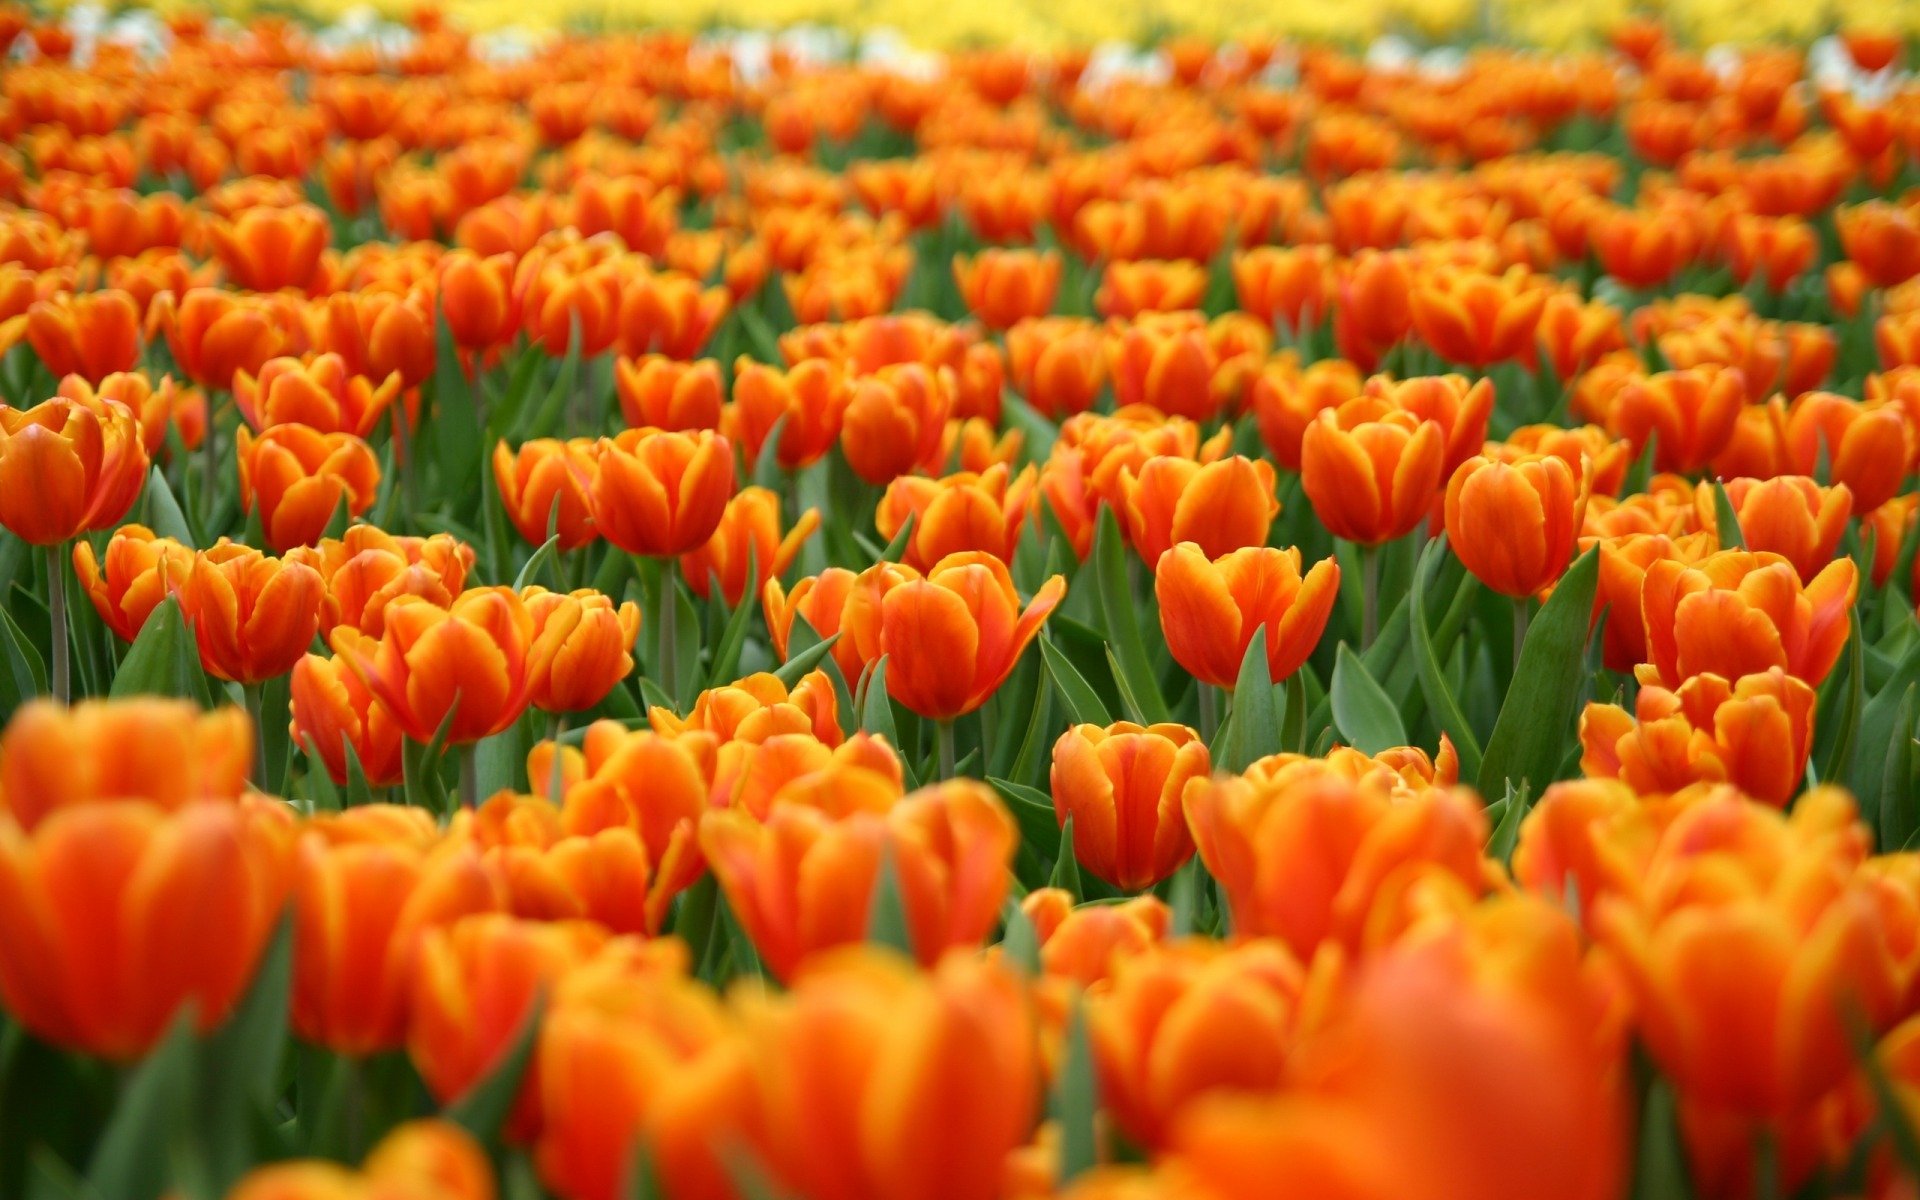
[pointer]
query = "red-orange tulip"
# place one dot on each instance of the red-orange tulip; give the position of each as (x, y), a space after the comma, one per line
(266, 249)
(952, 639)
(1286, 398)
(540, 473)
(581, 649)
(1513, 524)
(896, 422)
(661, 494)
(1210, 610)
(66, 468)
(749, 533)
(1869, 447)
(669, 394)
(253, 616)
(333, 712)
(477, 654)
(319, 394)
(1753, 732)
(214, 334)
(1741, 613)
(163, 752)
(1059, 364)
(300, 478)
(1882, 239)
(1788, 515)
(960, 513)
(811, 399)
(1690, 414)
(367, 567)
(139, 571)
(1372, 471)
(92, 335)
(1002, 287)
(1476, 319)
(1121, 786)
(1222, 506)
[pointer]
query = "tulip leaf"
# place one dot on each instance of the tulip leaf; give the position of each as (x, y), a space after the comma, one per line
(1660, 1168)
(540, 558)
(897, 545)
(725, 667)
(1433, 681)
(239, 1064)
(695, 921)
(131, 1160)
(546, 418)
(1891, 1113)
(483, 1108)
(1866, 775)
(642, 1181)
(1506, 832)
(1034, 812)
(457, 440)
(320, 792)
(1020, 942)
(1026, 763)
(512, 401)
(1076, 1099)
(1899, 815)
(1726, 522)
(497, 761)
(26, 673)
(1183, 899)
(48, 1178)
(1038, 433)
(1066, 864)
(163, 512)
(1252, 729)
(1126, 648)
(766, 471)
(164, 659)
(1853, 686)
(791, 671)
(420, 765)
(887, 911)
(876, 713)
(1537, 717)
(1083, 703)
(1362, 711)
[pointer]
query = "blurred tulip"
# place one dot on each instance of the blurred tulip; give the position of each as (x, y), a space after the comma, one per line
(266, 249)
(1475, 319)
(1869, 447)
(1121, 785)
(661, 494)
(896, 422)
(1624, 560)
(811, 399)
(333, 712)
(747, 549)
(366, 567)
(1059, 364)
(215, 334)
(381, 334)
(952, 638)
(92, 335)
(1086, 944)
(663, 393)
(1689, 414)
(1788, 515)
(1882, 239)
(426, 1158)
(162, 752)
(1286, 398)
(1287, 287)
(1003, 287)
(1210, 611)
(984, 513)
(478, 299)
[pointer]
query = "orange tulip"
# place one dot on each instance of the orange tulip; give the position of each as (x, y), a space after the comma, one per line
(1058, 363)
(1753, 732)
(1642, 248)
(1210, 610)
(664, 393)
(383, 334)
(214, 334)
(1169, 364)
(1690, 414)
(1574, 334)
(1121, 785)
(319, 394)
(1624, 559)
(1462, 408)
(556, 298)
(1788, 515)
(367, 886)
(479, 654)
(138, 572)
(661, 494)
(760, 707)
(367, 567)
(1002, 287)
(266, 249)
(1606, 460)
(1776, 249)
(1128, 289)
(1087, 944)
(961, 513)
(92, 335)
(1285, 399)
(542, 472)
(812, 398)
(419, 1158)
(300, 478)
(152, 405)
(115, 914)
(952, 638)
(1372, 471)
(581, 649)
(896, 422)
(66, 469)
(478, 297)
(1869, 447)
(1222, 506)
(1287, 287)
(669, 313)
(162, 752)
(1513, 524)
(253, 616)
(1476, 319)
(1374, 310)
(1882, 239)
(749, 533)
(1741, 613)
(333, 712)
(836, 601)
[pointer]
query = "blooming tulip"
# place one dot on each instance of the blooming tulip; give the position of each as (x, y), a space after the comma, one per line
(1513, 524)
(299, 478)
(1210, 611)
(1753, 732)
(1741, 613)
(471, 666)
(581, 647)
(747, 550)
(952, 638)
(661, 494)
(1121, 786)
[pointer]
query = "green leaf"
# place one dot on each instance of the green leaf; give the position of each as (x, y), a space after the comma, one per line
(1853, 698)
(421, 765)
(1038, 433)
(1537, 717)
(887, 912)
(791, 671)
(483, 1108)
(457, 434)
(163, 512)
(239, 1063)
(1066, 866)
(1726, 521)
(1083, 703)
(766, 471)
(1126, 648)
(1362, 711)
(539, 559)
(1433, 681)
(26, 673)
(1252, 729)
(876, 711)
(131, 1161)
(512, 403)
(1899, 807)
(164, 659)
(1660, 1168)
(1033, 811)
(497, 761)
(686, 632)
(1027, 763)
(1076, 1100)
(1183, 898)
(546, 418)
(897, 544)
(1020, 943)
(1513, 809)
(726, 653)
(1873, 741)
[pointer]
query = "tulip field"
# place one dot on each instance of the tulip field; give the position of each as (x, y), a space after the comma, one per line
(644, 612)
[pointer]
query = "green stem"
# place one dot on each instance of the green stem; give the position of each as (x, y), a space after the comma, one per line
(943, 738)
(402, 461)
(669, 634)
(1369, 596)
(469, 753)
(1520, 618)
(1209, 712)
(556, 728)
(252, 692)
(57, 602)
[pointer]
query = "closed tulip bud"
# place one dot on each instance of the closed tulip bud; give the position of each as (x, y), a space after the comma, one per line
(478, 297)
(978, 447)
(1788, 515)
(1222, 506)
(896, 422)
(1513, 524)
(811, 398)
(117, 914)
(1624, 559)
(420, 1158)
(661, 494)
(1869, 447)
(1191, 1020)
(368, 884)
(214, 334)
(1476, 319)
(1888, 527)
(92, 335)
(333, 713)
(1287, 287)
(938, 1074)
(665, 393)
(557, 298)
(162, 752)
(138, 572)
(478, 654)
(1753, 732)
(582, 647)
(1461, 407)
(299, 478)
(952, 638)
(474, 984)
(366, 568)
(319, 394)
(1210, 610)
(1121, 786)
(1087, 944)
(266, 249)
(66, 469)
(1169, 364)
(669, 313)
(1285, 399)
(540, 474)
(1003, 287)
(1642, 248)
(1690, 414)
(1059, 364)
(984, 513)
(747, 550)
(1741, 613)
(252, 615)
(1370, 470)
(1882, 239)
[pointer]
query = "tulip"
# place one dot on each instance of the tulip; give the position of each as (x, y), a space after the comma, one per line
(661, 494)
(1210, 610)
(669, 313)
(299, 478)
(760, 707)
(1222, 506)
(67, 468)
(253, 616)
(367, 886)
(540, 474)
(113, 915)
(1129, 289)
(138, 572)
(1059, 364)
(663, 393)
(1169, 364)
(1690, 414)
(581, 647)
(1374, 311)
(478, 298)
(1087, 944)
(92, 335)
(1371, 471)
(811, 398)
(952, 638)
(1004, 287)
(319, 394)
(470, 667)
(366, 568)
(152, 405)
(1777, 249)
(964, 512)
(556, 299)
(1121, 787)
(1475, 319)
(837, 601)
(1788, 515)
(162, 752)
(1513, 524)
(419, 1158)
(1642, 248)
(334, 713)
(266, 249)
(1606, 460)
(1574, 335)
(1882, 239)
(896, 422)
(1286, 287)
(747, 551)
(1754, 732)
(1286, 398)
(1624, 560)
(1460, 407)
(653, 786)
(1869, 447)
(383, 334)
(215, 334)
(1741, 613)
